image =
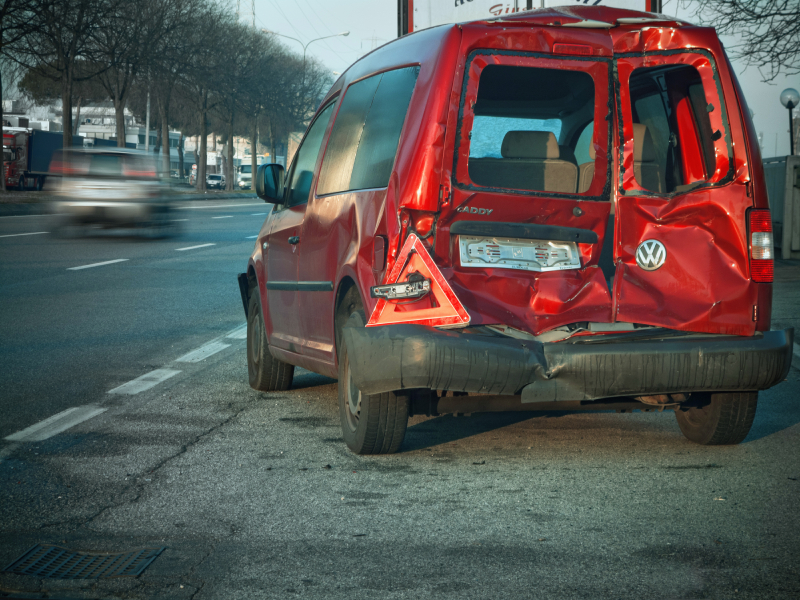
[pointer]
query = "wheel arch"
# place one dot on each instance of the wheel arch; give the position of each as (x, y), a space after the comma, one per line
(348, 297)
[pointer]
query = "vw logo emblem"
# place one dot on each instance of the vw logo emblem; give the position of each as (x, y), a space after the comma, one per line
(650, 255)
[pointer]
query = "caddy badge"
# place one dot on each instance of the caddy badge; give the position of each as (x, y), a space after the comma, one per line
(650, 255)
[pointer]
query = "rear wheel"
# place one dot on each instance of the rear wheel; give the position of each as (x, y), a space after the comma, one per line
(718, 419)
(267, 373)
(371, 424)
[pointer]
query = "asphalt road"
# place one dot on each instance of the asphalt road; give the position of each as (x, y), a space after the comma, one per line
(255, 495)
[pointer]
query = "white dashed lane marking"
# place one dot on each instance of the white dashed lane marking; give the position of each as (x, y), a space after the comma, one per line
(225, 217)
(257, 214)
(100, 264)
(145, 382)
(203, 352)
(194, 247)
(21, 234)
(221, 206)
(240, 333)
(251, 237)
(56, 424)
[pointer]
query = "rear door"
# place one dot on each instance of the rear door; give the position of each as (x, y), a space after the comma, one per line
(681, 240)
(524, 228)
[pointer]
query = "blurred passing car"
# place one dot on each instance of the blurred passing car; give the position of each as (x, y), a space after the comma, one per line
(215, 182)
(110, 187)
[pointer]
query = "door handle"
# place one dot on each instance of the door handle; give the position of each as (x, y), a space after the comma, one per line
(294, 240)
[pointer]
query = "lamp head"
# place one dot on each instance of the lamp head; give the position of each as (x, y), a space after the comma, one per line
(790, 98)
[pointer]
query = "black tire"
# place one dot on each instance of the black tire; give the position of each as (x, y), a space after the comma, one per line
(719, 419)
(267, 373)
(370, 424)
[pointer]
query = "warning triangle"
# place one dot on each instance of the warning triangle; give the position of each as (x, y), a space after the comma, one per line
(438, 308)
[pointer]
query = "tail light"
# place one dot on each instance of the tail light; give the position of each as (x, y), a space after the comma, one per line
(761, 251)
(577, 49)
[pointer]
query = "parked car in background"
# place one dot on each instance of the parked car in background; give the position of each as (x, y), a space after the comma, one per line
(109, 187)
(215, 182)
(562, 209)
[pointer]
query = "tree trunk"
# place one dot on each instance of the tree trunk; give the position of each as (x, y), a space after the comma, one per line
(181, 170)
(3, 173)
(272, 150)
(157, 147)
(254, 153)
(163, 105)
(77, 125)
(201, 163)
(230, 180)
(119, 113)
(66, 108)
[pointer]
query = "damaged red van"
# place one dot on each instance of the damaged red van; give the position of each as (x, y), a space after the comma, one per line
(560, 209)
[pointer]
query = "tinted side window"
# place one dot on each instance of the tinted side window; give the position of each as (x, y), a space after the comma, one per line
(299, 185)
(366, 133)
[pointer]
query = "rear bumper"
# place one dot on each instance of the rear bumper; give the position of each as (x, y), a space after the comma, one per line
(396, 357)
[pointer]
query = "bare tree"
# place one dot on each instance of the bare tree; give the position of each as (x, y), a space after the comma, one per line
(60, 35)
(768, 31)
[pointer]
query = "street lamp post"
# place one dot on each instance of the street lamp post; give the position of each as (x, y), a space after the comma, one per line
(305, 46)
(790, 98)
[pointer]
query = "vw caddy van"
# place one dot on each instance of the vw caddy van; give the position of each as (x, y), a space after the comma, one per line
(560, 209)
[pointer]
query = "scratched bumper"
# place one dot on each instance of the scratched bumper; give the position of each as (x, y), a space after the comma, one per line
(396, 357)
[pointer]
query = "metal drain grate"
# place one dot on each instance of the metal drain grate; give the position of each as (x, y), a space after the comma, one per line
(44, 560)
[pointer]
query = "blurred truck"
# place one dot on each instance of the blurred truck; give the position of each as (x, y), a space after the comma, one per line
(27, 154)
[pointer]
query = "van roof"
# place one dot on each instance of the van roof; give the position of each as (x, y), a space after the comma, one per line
(572, 17)
(586, 17)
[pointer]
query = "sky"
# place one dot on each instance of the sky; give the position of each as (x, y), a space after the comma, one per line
(372, 23)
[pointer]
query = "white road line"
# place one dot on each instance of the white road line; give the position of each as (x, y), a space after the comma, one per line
(28, 216)
(56, 424)
(145, 382)
(225, 217)
(251, 237)
(220, 206)
(240, 333)
(203, 352)
(100, 264)
(179, 220)
(257, 214)
(194, 247)
(21, 234)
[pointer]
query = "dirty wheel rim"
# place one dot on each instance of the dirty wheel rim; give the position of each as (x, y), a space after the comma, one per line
(353, 411)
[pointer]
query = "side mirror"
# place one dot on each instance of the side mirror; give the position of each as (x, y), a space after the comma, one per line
(269, 183)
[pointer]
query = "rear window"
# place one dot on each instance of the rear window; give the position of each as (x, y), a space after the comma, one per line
(105, 165)
(675, 135)
(528, 125)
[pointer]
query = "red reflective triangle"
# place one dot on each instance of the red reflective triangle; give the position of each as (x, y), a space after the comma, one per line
(439, 308)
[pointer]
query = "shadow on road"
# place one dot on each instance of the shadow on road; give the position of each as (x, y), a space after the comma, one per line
(447, 428)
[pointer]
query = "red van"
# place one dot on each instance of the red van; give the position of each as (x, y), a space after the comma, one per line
(560, 209)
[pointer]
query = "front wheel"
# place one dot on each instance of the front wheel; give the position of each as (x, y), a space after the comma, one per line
(718, 419)
(371, 424)
(267, 373)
